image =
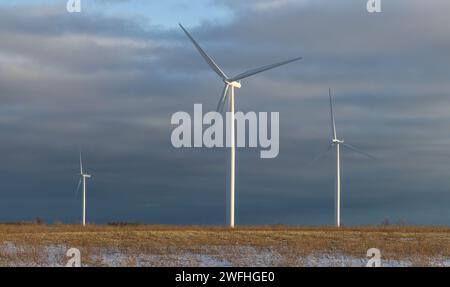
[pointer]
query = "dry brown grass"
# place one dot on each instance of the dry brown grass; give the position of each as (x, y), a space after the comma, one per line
(166, 245)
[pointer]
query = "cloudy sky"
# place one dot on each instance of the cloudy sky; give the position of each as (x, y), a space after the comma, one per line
(107, 81)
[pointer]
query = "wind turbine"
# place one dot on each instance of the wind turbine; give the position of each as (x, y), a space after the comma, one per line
(336, 142)
(228, 93)
(83, 177)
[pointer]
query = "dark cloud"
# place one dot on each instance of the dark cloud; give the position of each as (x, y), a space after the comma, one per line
(109, 86)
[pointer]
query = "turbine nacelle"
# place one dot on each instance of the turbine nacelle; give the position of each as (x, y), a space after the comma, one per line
(86, 175)
(234, 84)
(336, 141)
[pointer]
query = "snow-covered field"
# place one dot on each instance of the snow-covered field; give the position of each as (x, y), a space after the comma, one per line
(147, 245)
(55, 256)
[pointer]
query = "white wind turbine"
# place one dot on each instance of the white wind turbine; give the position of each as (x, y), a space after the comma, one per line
(337, 143)
(230, 84)
(83, 177)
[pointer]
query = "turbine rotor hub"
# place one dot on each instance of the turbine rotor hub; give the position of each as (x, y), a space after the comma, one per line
(234, 84)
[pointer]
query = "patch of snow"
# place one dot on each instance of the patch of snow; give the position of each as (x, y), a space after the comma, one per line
(341, 260)
(208, 256)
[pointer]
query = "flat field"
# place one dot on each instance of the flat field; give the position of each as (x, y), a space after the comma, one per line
(150, 245)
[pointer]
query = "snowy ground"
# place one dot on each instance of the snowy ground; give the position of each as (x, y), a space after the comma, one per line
(225, 256)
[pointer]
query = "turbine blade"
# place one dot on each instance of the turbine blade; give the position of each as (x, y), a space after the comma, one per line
(333, 124)
(357, 150)
(261, 69)
(205, 56)
(322, 154)
(222, 99)
(78, 188)
(81, 165)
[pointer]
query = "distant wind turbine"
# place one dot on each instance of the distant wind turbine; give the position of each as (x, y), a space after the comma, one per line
(230, 84)
(337, 143)
(83, 177)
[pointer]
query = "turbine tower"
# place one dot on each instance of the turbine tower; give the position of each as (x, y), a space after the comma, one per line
(336, 142)
(228, 93)
(83, 177)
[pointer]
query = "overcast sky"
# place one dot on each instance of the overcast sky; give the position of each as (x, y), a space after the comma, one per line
(107, 81)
